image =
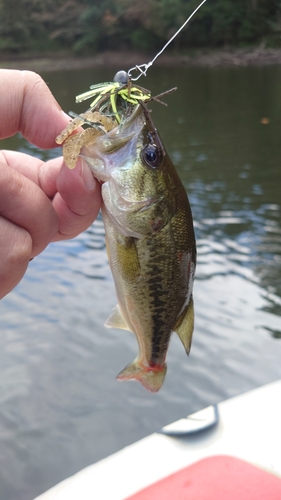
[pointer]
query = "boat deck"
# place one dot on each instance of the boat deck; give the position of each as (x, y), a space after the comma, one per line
(248, 429)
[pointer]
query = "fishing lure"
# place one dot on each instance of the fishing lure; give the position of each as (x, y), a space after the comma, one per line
(117, 98)
(113, 97)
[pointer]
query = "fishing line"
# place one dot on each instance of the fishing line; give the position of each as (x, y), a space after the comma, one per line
(142, 68)
(107, 94)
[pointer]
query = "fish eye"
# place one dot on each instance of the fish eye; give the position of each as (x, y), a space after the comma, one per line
(152, 156)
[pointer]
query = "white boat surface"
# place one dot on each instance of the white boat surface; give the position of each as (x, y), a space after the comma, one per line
(248, 428)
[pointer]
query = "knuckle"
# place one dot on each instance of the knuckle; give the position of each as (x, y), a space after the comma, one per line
(11, 178)
(33, 80)
(14, 260)
(21, 249)
(16, 185)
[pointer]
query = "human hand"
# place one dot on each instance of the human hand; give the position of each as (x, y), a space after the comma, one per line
(39, 202)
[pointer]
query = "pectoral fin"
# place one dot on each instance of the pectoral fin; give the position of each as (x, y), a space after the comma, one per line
(185, 324)
(116, 319)
(127, 255)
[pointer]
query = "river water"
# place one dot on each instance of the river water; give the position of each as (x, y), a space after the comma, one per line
(61, 407)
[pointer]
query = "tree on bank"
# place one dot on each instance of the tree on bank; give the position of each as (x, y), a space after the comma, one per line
(94, 25)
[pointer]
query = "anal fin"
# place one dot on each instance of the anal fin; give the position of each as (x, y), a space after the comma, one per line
(185, 325)
(116, 319)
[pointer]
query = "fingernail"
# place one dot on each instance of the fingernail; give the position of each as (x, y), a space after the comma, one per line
(87, 176)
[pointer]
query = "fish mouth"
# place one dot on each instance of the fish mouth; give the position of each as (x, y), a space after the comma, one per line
(123, 133)
(118, 147)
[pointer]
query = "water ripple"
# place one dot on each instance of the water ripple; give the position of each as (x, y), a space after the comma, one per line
(57, 361)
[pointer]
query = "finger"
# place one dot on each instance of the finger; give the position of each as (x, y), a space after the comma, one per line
(78, 200)
(16, 250)
(41, 173)
(23, 203)
(78, 187)
(28, 106)
(75, 193)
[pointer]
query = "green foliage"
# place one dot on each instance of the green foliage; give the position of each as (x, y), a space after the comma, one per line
(230, 22)
(95, 25)
(100, 26)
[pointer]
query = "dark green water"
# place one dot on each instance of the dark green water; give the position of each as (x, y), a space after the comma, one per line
(61, 408)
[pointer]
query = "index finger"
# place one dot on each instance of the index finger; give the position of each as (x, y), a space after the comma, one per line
(28, 106)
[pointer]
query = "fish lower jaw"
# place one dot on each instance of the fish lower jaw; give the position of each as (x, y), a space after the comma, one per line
(150, 376)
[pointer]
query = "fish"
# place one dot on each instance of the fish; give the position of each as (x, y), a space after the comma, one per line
(150, 241)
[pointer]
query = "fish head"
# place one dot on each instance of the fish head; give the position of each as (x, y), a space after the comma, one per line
(137, 176)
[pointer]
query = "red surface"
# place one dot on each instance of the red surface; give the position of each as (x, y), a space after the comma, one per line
(215, 478)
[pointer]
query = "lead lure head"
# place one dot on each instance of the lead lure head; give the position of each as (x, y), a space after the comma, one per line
(122, 77)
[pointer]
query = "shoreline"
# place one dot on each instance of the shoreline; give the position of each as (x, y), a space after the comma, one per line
(258, 56)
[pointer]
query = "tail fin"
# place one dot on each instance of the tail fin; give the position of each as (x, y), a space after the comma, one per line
(151, 378)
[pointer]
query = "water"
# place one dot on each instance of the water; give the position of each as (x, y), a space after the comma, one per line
(61, 407)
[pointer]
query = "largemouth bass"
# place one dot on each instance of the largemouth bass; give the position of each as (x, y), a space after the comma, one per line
(150, 242)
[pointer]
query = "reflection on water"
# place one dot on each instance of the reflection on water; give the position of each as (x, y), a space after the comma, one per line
(61, 408)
